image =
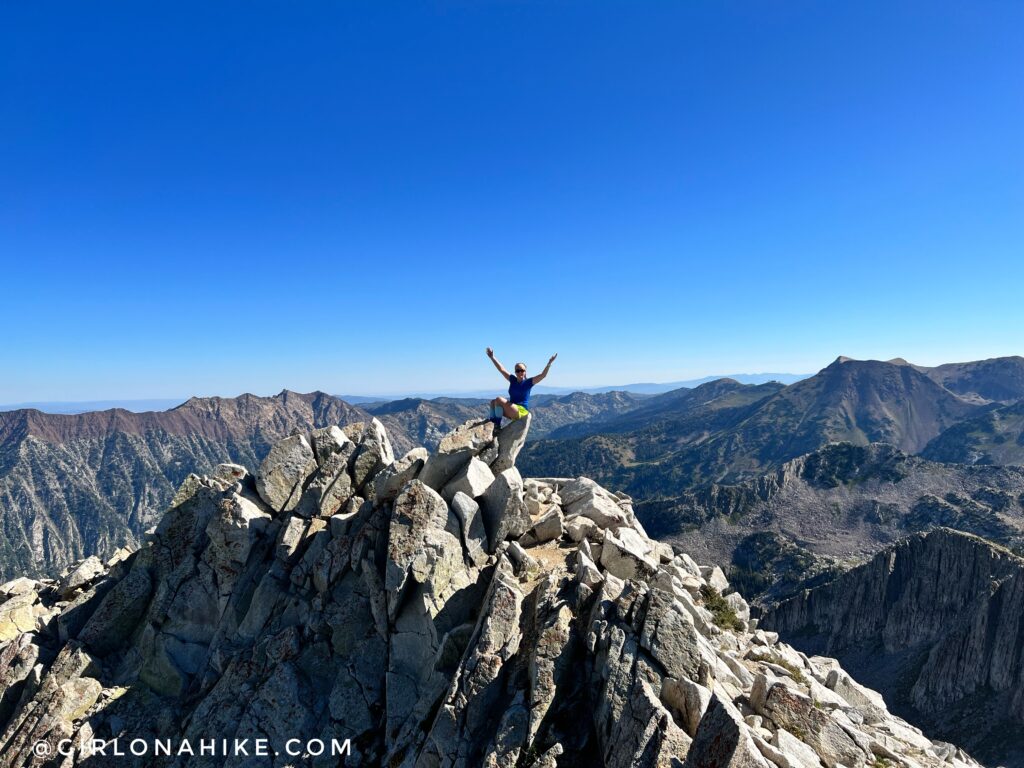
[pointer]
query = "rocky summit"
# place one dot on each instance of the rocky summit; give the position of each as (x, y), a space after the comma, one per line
(343, 606)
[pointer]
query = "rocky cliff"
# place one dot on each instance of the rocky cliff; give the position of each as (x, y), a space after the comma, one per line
(345, 607)
(935, 624)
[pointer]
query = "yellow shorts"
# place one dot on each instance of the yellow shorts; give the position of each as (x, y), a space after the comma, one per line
(520, 411)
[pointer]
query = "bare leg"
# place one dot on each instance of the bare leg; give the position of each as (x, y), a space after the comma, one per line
(507, 408)
(510, 411)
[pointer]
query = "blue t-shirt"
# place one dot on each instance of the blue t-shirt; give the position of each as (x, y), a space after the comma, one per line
(518, 393)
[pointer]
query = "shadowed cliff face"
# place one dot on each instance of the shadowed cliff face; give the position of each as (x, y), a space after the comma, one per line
(425, 611)
(935, 623)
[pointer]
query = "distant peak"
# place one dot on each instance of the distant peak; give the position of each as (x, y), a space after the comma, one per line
(290, 394)
(724, 382)
(844, 359)
(898, 361)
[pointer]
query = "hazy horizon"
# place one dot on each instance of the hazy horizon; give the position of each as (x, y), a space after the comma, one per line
(495, 385)
(542, 388)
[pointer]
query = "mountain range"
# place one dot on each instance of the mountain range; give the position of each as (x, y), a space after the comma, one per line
(793, 483)
(724, 431)
(640, 388)
(86, 406)
(792, 488)
(342, 607)
(73, 485)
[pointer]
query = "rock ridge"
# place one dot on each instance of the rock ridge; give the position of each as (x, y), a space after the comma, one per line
(421, 611)
(948, 606)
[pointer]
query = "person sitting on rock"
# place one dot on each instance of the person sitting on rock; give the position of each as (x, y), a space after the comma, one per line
(519, 388)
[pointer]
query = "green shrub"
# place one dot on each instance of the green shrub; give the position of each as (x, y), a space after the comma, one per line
(721, 612)
(795, 672)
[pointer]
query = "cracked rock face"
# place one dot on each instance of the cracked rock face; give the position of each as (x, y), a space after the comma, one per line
(952, 606)
(434, 611)
(281, 475)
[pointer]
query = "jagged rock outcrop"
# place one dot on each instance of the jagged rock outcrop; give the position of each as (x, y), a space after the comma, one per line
(522, 623)
(72, 486)
(934, 623)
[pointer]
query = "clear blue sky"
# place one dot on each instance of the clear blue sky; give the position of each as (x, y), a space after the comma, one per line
(210, 198)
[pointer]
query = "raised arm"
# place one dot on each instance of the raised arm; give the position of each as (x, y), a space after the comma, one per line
(499, 366)
(540, 376)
